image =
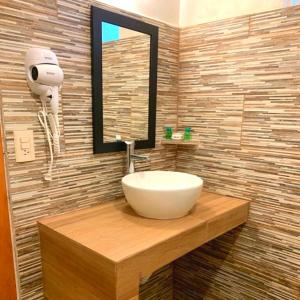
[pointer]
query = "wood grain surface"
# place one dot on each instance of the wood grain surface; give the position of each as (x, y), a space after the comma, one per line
(7, 272)
(105, 250)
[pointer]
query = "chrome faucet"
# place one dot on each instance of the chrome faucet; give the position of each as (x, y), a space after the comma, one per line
(131, 157)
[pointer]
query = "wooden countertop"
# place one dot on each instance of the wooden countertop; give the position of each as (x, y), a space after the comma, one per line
(120, 237)
(116, 232)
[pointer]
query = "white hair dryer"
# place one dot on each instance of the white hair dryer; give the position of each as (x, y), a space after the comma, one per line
(44, 77)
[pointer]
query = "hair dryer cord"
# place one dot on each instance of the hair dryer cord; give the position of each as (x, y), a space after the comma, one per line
(42, 116)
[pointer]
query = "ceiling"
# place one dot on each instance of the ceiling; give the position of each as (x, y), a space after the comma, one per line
(183, 13)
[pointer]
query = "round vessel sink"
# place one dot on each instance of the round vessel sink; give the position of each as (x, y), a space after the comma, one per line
(162, 194)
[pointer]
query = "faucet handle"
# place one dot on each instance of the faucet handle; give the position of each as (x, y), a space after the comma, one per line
(139, 157)
(130, 146)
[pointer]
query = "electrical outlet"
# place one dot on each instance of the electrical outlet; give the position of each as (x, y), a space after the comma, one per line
(24, 145)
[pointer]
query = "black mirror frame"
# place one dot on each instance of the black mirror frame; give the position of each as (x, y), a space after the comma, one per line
(98, 16)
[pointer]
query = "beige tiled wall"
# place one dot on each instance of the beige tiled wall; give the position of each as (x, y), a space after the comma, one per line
(81, 178)
(240, 91)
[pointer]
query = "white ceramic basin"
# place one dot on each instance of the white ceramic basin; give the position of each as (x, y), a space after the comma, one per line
(162, 194)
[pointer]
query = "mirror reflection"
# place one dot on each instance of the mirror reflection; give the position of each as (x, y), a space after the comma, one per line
(125, 78)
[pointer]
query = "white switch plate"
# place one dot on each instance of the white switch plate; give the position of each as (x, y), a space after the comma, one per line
(24, 145)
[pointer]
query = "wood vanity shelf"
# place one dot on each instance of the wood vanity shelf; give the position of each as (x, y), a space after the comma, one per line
(101, 253)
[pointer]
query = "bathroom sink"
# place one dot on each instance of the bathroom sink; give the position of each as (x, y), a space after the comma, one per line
(162, 194)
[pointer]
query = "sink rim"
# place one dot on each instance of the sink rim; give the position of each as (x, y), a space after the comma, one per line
(167, 188)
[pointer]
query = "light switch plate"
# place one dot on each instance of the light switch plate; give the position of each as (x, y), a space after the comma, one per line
(24, 145)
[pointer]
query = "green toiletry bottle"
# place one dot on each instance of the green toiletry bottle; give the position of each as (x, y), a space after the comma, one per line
(168, 133)
(187, 134)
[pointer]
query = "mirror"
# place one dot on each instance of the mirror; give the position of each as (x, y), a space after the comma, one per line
(125, 84)
(124, 67)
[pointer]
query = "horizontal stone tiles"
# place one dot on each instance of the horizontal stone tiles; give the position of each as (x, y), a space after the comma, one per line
(238, 82)
(81, 179)
(215, 118)
(241, 96)
(272, 122)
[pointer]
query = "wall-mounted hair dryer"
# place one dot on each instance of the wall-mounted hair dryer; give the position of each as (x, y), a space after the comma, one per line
(44, 77)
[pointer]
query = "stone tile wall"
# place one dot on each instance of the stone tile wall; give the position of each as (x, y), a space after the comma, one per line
(239, 89)
(81, 179)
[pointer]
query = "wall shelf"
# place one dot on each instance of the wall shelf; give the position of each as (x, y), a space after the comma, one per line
(180, 142)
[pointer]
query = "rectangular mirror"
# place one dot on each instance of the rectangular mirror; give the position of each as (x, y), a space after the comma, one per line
(124, 75)
(125, 82)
